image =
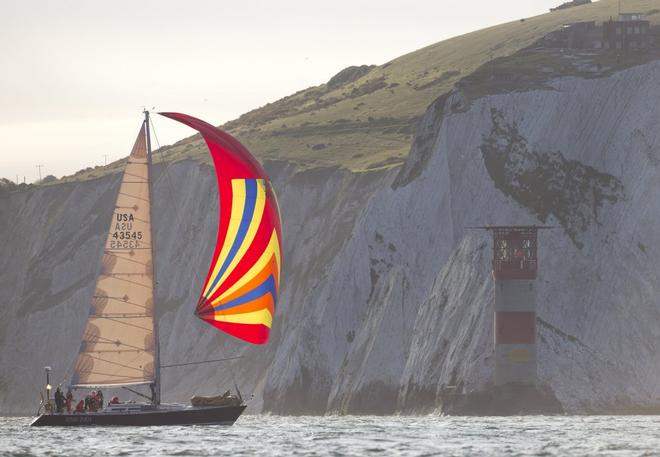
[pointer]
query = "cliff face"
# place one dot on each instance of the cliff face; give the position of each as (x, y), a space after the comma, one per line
(387, 297)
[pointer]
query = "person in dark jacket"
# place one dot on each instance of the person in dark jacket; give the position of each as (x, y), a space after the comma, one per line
(99, 400)
(69, 400)
(59, 401)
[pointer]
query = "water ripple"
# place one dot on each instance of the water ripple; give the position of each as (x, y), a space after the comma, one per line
(349, 436)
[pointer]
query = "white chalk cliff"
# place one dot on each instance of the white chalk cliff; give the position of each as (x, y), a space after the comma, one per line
(387, 297)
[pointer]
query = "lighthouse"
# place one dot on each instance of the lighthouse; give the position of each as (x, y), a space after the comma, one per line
(515, 389)
(515, 266)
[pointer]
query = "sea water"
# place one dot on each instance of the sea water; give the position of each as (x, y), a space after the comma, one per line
(349, 436)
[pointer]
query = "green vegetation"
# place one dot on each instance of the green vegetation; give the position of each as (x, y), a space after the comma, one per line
(364, 117)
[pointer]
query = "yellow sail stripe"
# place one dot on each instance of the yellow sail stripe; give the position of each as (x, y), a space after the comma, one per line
(239, 196)
(272, 249)
(262, 316)
(259, 206)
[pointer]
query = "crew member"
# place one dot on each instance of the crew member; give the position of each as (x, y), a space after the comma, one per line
(99, 400)
(69, 400)
(92, 402)
(59, 401)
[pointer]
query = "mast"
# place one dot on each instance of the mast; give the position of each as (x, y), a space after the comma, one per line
(155, 387)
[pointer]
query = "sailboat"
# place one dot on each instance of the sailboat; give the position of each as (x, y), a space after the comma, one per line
(120, 345)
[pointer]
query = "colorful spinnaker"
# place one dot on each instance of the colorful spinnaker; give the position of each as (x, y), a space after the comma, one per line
(242, 284)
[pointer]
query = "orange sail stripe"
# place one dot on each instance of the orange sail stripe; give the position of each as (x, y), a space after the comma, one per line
(265, 301)
(269, 268)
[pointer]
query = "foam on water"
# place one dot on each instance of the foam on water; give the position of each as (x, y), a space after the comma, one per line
(349, 436)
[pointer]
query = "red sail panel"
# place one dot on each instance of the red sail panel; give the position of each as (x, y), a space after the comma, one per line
(241, 288)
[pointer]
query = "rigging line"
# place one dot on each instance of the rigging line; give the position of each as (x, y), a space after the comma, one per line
(110, 274)
(200, 362)
(127, 274)
(137, 393)
(127, 259)
(162, 159)
(115, 342)
(130, 282)
(130, 325)
(133, 196)
(170, 186)
(126, 173)
(121, 299)
(231, 372)
(116, 363)
(223, 312)
(107, 374)
(119, 316)
(65, 379)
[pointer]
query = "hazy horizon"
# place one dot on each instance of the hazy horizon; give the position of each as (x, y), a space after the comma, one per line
(79, 73)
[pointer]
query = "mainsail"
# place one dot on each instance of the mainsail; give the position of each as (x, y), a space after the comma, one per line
(118, 345)
(242, 284)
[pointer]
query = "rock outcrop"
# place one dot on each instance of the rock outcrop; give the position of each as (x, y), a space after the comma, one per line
(387, 297)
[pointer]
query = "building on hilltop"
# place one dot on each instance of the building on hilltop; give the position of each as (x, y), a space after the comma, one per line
(570, 4)
(583, 35)
(629, 32)
(577, 35)
(631, 16)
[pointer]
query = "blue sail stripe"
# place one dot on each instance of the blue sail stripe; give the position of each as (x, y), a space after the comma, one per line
(268, 286)
(246, 219)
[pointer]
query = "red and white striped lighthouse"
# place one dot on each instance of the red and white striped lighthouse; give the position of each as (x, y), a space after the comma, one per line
(515, 265)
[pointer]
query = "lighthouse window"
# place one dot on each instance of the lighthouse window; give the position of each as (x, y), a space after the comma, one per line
(502, 251)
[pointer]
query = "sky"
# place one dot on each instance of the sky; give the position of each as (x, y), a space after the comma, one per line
(75, 75)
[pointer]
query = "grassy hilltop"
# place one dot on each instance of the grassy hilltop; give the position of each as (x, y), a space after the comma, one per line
(364, 117)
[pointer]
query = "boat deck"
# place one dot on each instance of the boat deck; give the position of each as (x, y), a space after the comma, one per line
(136, 414)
